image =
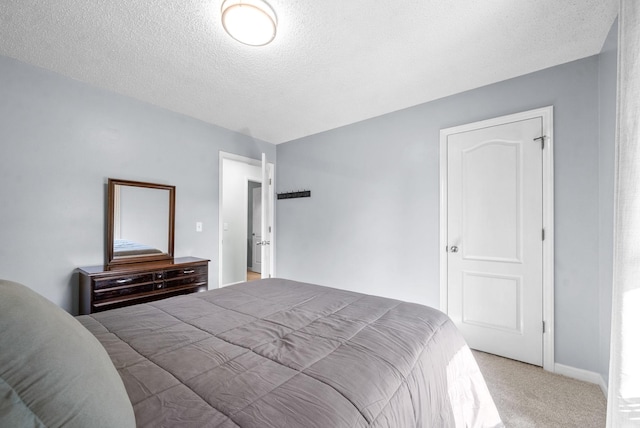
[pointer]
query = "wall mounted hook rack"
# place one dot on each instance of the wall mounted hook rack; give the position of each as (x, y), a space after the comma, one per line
(292, 195)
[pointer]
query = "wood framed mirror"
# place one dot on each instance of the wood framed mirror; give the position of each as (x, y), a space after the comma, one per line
(140, 222)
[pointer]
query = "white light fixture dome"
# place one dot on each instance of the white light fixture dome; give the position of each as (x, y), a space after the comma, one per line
(251, 22)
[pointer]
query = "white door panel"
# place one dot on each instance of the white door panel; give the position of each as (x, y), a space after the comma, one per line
(494, 199)
(501, 295)
(482, 211)
(267, 218)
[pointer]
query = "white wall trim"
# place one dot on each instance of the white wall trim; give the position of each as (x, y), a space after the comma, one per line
(604, 387)
(239, 158)
(231, 283)
(273, 221)
(546, 113)
(583, 375)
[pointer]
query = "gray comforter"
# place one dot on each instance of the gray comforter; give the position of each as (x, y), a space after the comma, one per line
(278, 353)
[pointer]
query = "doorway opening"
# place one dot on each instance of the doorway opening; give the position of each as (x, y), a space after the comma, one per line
(245, 246)
(254, 230)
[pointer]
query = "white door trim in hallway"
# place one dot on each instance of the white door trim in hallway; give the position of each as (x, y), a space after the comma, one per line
(546, 114)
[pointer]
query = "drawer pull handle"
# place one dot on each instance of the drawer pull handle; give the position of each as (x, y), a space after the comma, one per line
(187, 272)
(124, 281)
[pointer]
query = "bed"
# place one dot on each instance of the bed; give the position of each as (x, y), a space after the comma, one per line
(279, 353)
(269, 353)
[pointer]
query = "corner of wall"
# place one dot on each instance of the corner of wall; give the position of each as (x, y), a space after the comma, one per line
(607, 88)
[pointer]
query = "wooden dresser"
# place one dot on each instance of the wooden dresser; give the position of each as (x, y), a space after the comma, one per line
(103, 288)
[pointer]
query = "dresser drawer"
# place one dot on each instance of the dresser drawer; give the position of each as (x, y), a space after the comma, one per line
(188, 271)
(111, 293)
(190, 275)
(187, 280)
(124, 280)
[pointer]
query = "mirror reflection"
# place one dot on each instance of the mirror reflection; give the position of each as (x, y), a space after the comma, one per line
(141, 221)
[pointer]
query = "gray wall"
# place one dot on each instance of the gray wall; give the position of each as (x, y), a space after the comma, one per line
(371, 224)
(59, 141)
(608, 68)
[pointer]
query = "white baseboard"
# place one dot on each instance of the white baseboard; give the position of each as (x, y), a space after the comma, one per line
(231, 283)
(583, 375)
(603, 386)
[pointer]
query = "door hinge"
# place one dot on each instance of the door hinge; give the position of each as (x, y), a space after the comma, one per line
(544, 327)
(543, 234)
(269, 229)
(269, 182)
(541, 141)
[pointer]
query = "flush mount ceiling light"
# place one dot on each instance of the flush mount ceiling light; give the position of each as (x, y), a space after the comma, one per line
(251, 22)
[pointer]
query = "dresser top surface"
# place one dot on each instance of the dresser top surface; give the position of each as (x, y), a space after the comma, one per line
(159, 265)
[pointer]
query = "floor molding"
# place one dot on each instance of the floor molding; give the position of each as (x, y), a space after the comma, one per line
(603, 386)
(583, 375)
(231, 283)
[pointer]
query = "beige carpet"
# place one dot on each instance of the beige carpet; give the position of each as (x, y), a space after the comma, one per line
(527, 396)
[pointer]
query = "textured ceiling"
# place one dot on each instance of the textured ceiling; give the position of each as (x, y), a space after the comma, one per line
(332, 63)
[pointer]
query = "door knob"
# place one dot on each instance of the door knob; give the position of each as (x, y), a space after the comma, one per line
(453, 249)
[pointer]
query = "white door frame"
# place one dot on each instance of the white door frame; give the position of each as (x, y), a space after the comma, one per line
(546, 113)
(268, 218)
(249, 161)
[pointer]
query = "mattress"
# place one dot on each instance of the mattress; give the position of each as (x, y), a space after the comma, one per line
(279, 353)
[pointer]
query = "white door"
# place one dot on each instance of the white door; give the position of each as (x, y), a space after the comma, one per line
(256, 255)
(267, 218)
(494, 233)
